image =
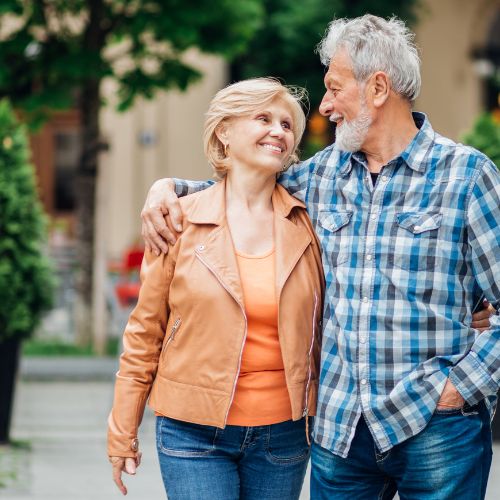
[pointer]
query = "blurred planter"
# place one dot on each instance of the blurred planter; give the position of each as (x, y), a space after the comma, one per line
(9, 354)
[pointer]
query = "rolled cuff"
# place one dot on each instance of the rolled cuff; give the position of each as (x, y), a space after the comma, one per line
(472, 380)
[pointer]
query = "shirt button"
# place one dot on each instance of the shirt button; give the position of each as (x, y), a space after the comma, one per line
(362, 339)
(363, 381)
(201, 248)
(369, 257)
(385, 178)
(417, 228)
(365, 300)
(373, 216)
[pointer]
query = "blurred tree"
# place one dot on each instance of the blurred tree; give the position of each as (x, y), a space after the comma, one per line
(25, 276)
(284, 45)
(54, 53)
(485, 136)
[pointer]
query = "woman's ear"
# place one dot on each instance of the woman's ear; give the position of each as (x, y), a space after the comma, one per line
(222, 132)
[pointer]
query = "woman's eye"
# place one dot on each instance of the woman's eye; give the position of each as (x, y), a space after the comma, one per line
(286, 125)
(262, 118)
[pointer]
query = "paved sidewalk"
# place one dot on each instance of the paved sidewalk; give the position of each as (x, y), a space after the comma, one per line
(65, 424)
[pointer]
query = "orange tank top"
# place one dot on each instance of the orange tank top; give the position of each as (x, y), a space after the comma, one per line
(261, 396)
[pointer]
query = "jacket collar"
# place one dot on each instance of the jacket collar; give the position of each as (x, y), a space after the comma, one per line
(216, 251)
(210, 205)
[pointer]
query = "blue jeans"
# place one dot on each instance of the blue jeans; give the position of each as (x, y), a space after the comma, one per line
(201, 462)
(449, 459)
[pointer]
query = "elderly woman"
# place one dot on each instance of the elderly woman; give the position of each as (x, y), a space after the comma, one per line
(225, 337)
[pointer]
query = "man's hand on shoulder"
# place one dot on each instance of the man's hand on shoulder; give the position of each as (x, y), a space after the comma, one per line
(161, 217)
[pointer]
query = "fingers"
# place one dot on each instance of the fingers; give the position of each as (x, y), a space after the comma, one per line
(130, 465)
(153, 230)
(491, 309)
(174, 209)
(481, 319)
(161, 200)
(117, 476)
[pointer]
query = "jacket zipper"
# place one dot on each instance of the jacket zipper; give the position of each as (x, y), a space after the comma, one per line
(244, 336)
(173, 331)
(309, 371)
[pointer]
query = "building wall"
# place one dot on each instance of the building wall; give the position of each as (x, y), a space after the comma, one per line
(447, 33)
(158, 138)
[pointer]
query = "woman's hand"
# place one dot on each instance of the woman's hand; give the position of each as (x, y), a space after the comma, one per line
(128, 465)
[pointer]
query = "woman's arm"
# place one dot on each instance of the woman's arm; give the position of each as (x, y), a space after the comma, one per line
(142, 343)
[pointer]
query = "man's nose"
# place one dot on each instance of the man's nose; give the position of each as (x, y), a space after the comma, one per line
(326, 106)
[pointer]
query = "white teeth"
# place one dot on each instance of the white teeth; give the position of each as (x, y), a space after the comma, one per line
(272, 148)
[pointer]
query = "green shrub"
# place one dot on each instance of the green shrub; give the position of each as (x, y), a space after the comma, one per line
(485, 136)
(26, 283)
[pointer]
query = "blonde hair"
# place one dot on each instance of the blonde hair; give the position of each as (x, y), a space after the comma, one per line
(241, 99)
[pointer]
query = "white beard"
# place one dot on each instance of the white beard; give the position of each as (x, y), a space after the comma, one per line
(351, 135)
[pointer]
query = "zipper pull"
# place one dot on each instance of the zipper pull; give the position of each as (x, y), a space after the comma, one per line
(305, 414)
(175, 327)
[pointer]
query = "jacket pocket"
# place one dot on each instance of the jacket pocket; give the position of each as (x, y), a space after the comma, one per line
(171, 336)
(414, 240)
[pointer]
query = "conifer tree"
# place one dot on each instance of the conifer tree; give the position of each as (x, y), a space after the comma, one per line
(26, 283)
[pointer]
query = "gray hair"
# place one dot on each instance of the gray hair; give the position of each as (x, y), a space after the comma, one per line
(376, 44)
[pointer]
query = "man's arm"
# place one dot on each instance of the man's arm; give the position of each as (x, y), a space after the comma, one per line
(477, 374)
(296, 179)
(161, 215)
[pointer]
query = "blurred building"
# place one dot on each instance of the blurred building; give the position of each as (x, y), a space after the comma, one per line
(460, 50)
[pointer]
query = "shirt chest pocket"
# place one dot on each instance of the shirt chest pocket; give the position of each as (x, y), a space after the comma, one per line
(414, 240)
(335, 235)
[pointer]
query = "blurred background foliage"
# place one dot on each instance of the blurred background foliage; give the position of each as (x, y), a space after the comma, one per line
(485, 136)
(53, 48)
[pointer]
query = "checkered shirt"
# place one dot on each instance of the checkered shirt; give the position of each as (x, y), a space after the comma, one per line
(404, 261)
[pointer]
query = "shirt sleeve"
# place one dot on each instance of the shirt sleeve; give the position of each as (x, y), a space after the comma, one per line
(296, 179)
(184, 187)
(477, 375)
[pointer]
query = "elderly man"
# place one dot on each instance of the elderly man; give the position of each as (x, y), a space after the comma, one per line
(409, 226)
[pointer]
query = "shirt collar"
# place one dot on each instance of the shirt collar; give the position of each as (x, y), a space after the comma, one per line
(415, 155)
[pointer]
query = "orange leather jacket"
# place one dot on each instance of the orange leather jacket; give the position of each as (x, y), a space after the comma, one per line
(184, 340)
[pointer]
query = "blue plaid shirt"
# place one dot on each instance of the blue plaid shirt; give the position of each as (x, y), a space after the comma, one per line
(403, 261)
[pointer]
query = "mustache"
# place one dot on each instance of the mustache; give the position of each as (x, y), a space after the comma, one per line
(335, 117)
